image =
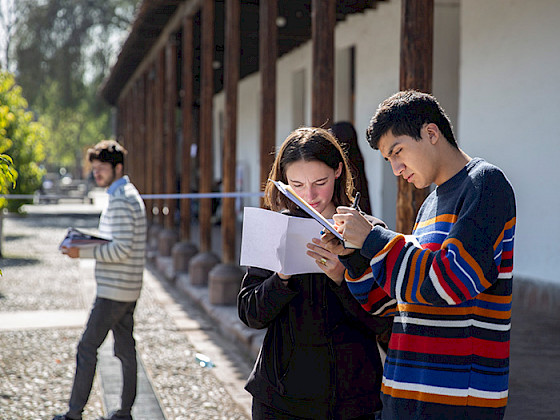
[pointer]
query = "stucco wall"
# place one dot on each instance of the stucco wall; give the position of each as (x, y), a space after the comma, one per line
(509, 111)
(376, 36)
(495, 72)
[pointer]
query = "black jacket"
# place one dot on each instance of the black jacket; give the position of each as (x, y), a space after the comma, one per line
(319, 357)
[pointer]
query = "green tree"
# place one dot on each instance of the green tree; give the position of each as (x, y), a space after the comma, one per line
(63, 50)
(21, 137)
(8, 176)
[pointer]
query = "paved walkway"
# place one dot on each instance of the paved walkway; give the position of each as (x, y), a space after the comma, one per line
(146, 406)
(46, 301)
(535, 348)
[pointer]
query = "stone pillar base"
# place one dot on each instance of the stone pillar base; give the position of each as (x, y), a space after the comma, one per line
(199, 267)
(182, 253)
(153, 241)
(167, 238)
(224, 282)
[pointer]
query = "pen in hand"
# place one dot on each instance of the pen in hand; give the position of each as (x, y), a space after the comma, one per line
(356, 203)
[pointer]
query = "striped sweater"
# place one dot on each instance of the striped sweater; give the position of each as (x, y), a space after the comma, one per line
(452, 281)
(120, 264)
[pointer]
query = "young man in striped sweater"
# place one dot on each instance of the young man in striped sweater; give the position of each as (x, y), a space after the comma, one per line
(448, 355)
(118, 273)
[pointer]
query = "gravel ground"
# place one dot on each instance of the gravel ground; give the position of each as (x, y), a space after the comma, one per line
(37, 366)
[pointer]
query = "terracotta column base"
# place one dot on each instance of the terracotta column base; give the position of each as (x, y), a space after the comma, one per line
(199, 267)
(182, 253)
(224, 282)
(153, 236)
(167, 238)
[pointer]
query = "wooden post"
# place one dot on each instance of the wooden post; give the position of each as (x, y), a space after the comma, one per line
(231, 76)
(205, 260)
(159, 134)
(140, 154)
(417, 33)
(323, 20)
(133, 157)
(171, 142)
(224, 280)
(268, 34)
(150, 153)
(123, 120)
(184, 251)
(206, 98)
(187, 124)
(128, 132)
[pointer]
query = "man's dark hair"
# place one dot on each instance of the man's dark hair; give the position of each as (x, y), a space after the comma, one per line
(405, 113)
(107, 151)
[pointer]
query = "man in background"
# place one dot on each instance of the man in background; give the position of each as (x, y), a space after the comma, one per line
(118, 274)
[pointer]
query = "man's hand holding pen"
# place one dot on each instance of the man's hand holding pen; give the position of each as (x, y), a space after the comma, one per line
(352, 225)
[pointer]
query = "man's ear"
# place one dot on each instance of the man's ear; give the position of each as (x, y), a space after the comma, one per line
(433, 132)
(119, 169)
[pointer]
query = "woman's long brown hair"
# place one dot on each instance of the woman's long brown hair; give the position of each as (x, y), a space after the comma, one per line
(308, 144)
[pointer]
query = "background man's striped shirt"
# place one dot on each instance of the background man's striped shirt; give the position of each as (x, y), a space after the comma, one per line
(119, 264)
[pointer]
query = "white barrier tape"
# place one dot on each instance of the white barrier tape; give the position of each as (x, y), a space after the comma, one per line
(144, 196)
(33, 196)
(201, 195)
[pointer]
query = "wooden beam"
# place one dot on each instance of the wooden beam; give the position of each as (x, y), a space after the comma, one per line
(206, 98)
(187, 95)
(231, 76)
(417, 33)
(323, 21)
(159, 185)
(268, 35)
(149, 77)
(132, 139)
(134, 133)
(171, 150)
(140, 154)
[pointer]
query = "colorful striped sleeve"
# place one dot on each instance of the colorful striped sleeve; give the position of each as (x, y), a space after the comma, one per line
(362, 285)
(450, 259)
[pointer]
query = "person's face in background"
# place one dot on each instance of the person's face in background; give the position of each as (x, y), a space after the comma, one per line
(104, 173)
(314, 182)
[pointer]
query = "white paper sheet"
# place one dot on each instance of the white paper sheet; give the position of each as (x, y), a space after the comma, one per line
(278, 242)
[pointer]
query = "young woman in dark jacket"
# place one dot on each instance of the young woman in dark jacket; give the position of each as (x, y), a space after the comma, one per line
(319, 358)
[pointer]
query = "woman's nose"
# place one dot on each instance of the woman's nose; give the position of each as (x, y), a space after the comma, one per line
(309, 193)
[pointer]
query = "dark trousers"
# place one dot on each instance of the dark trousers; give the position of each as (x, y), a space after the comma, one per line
(105, 315)
(262, 411)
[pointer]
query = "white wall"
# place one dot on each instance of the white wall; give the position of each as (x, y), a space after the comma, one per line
(509, 111)
(445, 84)
(376, 37)
(495, 72)
(248, 123)
(377, 60)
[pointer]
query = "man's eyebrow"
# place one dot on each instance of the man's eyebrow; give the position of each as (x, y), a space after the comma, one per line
(391, 150)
